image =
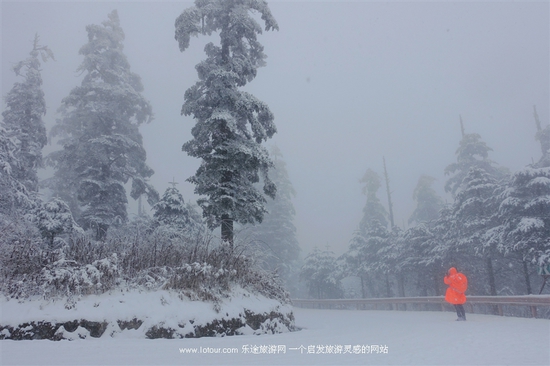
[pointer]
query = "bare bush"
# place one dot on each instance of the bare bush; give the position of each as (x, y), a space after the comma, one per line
(137, 255)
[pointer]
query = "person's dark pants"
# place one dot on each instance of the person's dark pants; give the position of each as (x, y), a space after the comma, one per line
(460, 312)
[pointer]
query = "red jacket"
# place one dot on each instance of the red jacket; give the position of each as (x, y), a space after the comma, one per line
(458, 283)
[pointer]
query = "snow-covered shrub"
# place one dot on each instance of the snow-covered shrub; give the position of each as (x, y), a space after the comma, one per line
(83, 249)
(28, 266)
(265, 283)
(109, 271)
(143, 244)
(68, 278)
(21, 256)
(133, 256)
(54, 218)
(151, 278)
(208, 274)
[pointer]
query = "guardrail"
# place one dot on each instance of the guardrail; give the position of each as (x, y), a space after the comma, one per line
(497, 302)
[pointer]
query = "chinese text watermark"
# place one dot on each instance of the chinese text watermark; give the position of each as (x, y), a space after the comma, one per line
(273, 349)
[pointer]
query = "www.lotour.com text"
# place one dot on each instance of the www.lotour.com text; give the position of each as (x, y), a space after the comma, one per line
(208, 350)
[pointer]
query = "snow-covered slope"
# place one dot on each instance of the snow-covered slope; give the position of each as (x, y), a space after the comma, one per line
(142, 310)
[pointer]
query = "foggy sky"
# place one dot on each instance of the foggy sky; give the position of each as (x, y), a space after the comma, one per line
(348, 83)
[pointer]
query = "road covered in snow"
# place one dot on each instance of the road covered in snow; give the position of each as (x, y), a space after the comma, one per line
(328, 337)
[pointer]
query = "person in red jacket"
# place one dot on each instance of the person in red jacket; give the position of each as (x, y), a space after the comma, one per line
(458, 283)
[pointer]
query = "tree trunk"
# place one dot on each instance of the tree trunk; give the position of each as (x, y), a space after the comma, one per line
(225, 52)
(370, 285)
(101, 232)
(492, 285)
(227, 177)
(227, 230)
(422, 287)
(363, 294)
(527, 278)
(436, 284)
(401, 288)
(423, 284)
(390, 205)
(155, 253)
(388, 289)
(491, 275)
(401, 284)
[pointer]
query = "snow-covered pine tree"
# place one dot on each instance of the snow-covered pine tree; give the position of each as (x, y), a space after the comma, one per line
(230, 124)
(428, 202)
(393, 257)
(374, 212)
(22, 118)
(471, 153)
(525, 210)
(172, 210)
(417, 243)
(477, 179)
(276, 235)
(363, 256)
(354, 260)
(376, 245)
(99, 130)
(392, 254)
(525, 215)
(418, 259)
(442, 248)
(474, 218)
(543, 137)
(388, 193)
(322, 274)
(13, 194)
(53, 219)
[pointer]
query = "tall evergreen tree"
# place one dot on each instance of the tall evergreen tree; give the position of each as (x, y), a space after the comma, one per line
(525, 215)
(442, 247)
(472, 152)
(525, 210)
(475, 216)
(543, 137)
(392, 257)
(230, 124)
(374, 213)
(428, 203)
(475, 184)
(277, 233)
(388, 192)
(25, 107)
(363, 258)
(13, 194)
(419, 260)
(99, 129)
(322, 275)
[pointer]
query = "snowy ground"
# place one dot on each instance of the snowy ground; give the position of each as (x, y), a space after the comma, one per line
(412, 338)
